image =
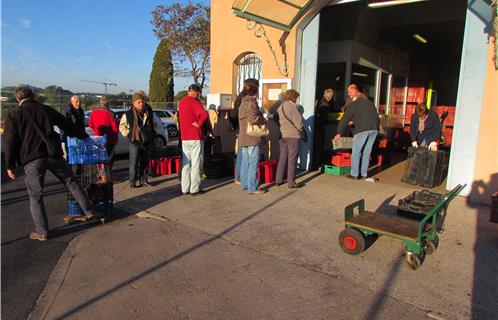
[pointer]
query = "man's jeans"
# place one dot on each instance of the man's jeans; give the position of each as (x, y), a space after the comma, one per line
(192, 162)
(35, 180)
(249, 168)
(238, 162)
(138, 155)
(362, 141)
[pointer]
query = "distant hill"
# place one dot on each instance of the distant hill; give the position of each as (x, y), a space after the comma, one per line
(10, 89)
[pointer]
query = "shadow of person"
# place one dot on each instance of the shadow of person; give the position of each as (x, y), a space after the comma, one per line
(485, 282)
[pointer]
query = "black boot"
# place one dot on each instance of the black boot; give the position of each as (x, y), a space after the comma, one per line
(145, 182)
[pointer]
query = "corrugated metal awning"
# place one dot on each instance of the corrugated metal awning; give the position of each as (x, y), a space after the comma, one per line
(282, 14)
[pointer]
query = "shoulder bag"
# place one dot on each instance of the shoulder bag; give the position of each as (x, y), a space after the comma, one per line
(302, 132)
(255, 130)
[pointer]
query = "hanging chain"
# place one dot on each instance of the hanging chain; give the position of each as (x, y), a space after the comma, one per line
(259, 31)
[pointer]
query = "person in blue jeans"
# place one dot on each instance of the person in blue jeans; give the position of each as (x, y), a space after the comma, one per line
(234, 119)
(363, 114)
(249, 145)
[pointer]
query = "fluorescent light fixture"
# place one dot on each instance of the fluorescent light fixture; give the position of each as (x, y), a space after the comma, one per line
(346, 1)
(419, 38)
(360, 74)
(388, 3)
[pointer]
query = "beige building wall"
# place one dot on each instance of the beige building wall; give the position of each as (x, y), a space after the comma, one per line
(230, 37)
(486, 168)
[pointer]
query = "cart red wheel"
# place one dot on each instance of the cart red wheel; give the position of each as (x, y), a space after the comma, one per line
(352, 241)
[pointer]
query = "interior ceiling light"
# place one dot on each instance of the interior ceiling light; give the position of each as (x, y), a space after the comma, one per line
(346, 1)
(388, 3)
(419, 38)
(360, 74)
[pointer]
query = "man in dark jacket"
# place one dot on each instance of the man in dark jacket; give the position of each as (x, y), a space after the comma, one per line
(137, 124)
(75, 114)
(366, 123)
(38, 150)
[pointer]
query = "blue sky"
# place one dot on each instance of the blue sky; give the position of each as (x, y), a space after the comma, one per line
(60, 42)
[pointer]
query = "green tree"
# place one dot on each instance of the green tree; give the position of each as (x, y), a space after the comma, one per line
(186, 29)
(180, 95)
(161, 77)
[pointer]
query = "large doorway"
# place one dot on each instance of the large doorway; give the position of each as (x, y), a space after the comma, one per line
(400, 56)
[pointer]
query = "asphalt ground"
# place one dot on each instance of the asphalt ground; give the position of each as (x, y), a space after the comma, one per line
(27, 264)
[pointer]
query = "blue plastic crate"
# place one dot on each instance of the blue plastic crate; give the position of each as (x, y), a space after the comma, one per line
(73, 209)
(92, 150)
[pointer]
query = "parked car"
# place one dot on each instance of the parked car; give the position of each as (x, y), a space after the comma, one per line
(161, 139)
(167, 117)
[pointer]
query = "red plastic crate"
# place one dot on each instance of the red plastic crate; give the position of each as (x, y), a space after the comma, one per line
(341, 159)
(270, 170)
(177, 160)
(383, 144)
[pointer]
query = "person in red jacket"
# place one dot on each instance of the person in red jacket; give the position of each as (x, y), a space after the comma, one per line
(103, 122)
(192, 117)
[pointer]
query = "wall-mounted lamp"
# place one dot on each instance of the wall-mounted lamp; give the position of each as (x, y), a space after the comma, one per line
(388, 3)
(419, 38)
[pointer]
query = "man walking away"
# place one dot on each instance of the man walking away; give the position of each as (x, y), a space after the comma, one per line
(30, 140)
(192, 117)
(102, 122)
(366, 123)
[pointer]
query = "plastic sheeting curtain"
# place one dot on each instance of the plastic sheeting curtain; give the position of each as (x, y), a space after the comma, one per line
(249, 66)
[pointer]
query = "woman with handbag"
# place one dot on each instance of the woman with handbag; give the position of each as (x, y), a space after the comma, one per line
(138, 125)
(252, 128)
(291, 128)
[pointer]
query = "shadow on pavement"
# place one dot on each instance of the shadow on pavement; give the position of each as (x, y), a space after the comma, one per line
(485, 285)
(165, 263)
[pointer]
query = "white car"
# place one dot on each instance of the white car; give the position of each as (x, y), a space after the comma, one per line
(167, 117)
(161, 139)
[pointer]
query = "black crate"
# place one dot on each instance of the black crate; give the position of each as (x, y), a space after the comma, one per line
(425, 168)
(218, 166)
(418, 204)
(100, 192)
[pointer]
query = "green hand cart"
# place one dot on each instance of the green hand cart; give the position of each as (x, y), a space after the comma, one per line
(419, 237)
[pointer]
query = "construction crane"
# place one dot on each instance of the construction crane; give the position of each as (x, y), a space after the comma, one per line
(102, 82)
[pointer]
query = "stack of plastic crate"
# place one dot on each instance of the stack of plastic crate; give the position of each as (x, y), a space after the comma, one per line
(340, 164)
(426, 168)
(95, 177)
(380, 152)
(165, 165)
(267, 171)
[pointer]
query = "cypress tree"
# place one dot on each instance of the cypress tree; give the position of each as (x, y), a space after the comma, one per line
(161, 77)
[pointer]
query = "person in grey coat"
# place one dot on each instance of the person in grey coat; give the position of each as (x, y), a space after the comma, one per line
(291, 122)
(249, 145)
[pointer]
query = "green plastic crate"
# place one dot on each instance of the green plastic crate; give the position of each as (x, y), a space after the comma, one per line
(336, 171)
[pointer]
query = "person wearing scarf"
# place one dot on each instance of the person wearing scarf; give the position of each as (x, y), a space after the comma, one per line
(134, 125)
(425, 128)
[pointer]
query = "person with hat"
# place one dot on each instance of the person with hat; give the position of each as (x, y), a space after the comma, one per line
(192, 116)
(137, 124)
